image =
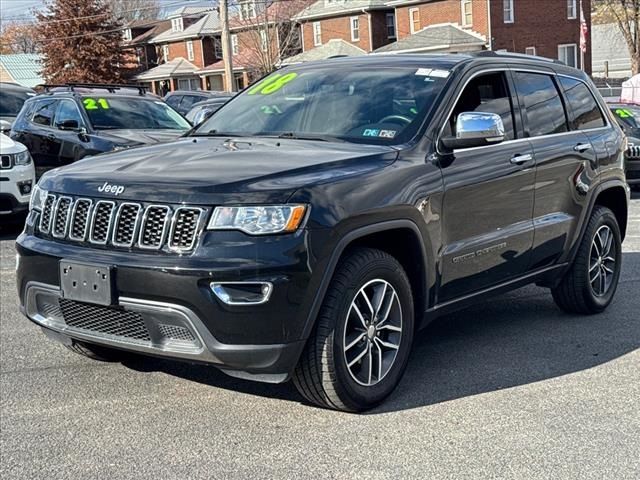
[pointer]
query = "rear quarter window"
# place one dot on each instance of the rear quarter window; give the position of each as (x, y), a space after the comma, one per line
(584, 112)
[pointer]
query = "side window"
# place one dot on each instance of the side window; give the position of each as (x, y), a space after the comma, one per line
(189, 100)
(43, 112)
(68, 111)
(544, 110)
(173, 100)
(490, 94)
(583, 108)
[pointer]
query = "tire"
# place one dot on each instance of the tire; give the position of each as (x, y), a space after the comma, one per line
(329, 374)
(98, 352)
(581, 290)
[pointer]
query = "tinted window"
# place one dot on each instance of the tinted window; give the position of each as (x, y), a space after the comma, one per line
(173, 100)
(584, 111)
(489, 94)
(358, 103)
(11, 102)
(68, 111)
(188, 101)
(43, 112)
(544, 110)
(627, 115)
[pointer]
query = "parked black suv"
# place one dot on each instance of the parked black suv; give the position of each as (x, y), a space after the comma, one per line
(12, 97)
(184, 100)
(322, 216)
(75, 120)
(629, 120)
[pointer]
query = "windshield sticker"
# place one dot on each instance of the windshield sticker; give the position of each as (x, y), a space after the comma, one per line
(375, 132)
(432, 72)
(424, 72)
(371, 132)
(624, 113)
(93, 104)
(439, 73)
(270, 110)
(273, 83)
(387, 133)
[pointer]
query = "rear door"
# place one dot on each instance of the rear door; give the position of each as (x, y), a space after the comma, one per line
(565, 160)
(488, 199)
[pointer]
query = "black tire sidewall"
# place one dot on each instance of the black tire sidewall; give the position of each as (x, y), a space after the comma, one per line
(367, 396)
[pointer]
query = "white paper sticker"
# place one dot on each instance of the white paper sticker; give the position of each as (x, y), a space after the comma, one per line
(423, 72)
(439, 73)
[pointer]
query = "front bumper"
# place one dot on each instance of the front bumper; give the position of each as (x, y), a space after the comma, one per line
(632, 170)
(172, 293)
(12, 199)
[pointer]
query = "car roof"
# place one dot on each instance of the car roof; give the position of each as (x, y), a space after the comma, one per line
(15, 86)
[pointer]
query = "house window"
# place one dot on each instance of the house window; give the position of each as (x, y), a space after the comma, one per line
(317, 34)
(234, 44)
(217, 47)
(190, 55)
(572, 9)
(414, 20)
(391, 25)
(508, 11)
(263, 40)
(355, 28)
(467, 14)
(177, 25)
(247, 9)
(530, 51)
(165, 53)
(568, 54)
(126, 34)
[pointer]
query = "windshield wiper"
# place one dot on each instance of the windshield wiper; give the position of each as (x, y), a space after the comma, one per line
(216, 133)
(304, 136)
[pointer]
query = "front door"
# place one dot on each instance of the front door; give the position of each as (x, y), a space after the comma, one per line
(487, 222)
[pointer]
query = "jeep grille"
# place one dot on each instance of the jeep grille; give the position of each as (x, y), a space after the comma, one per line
(121, 224)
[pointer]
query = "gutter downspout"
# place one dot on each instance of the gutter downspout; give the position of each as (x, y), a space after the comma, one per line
(370, 33)
(489, 24)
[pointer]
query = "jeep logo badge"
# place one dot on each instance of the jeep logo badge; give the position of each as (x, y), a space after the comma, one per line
(115, 189)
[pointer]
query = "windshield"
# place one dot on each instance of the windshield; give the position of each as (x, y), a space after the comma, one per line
(132, 113)
(628, 115)
(382, 106)
(11, 102)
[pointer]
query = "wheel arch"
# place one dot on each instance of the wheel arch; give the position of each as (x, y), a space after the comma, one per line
(383, 236)
(614, 197)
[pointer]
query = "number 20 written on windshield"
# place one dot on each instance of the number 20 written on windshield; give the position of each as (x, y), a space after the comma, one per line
(273, 83)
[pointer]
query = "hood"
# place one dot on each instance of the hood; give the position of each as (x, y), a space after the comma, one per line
(140, 137)
(212, 171)
(7, 145)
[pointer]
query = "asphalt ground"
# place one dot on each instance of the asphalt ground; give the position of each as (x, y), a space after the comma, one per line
(511, 388)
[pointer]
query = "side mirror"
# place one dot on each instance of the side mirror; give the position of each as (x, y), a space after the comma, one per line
(5, 127)
(68, 125)
(475, 129)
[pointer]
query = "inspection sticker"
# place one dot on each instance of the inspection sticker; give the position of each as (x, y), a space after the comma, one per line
(371, 132)
(387, 133)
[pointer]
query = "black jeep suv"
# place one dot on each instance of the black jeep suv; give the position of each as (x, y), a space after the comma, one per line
(72, 121)
(322, 216)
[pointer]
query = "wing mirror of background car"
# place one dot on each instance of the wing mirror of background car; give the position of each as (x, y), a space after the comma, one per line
(5, 127)
(475, 129)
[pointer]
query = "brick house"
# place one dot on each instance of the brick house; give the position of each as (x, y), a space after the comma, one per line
(192, 42)
(141, 55)
(367, 24)
(549, 28)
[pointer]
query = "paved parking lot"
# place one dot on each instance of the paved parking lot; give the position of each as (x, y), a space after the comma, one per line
(509, 389)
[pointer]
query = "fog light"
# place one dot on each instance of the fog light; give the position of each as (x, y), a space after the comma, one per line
(242, 293)
(24, 187)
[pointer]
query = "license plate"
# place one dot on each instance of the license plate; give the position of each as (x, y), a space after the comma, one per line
(86, 282)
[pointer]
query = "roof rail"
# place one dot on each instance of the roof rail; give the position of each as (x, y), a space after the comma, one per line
(111, 88)
(493, 53)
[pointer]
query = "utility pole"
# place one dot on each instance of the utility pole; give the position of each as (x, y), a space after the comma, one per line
(226, 47)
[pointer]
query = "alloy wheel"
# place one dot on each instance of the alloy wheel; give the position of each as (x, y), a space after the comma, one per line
(373, 332)
(602, 261)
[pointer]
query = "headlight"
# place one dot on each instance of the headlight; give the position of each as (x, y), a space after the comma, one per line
(22, 158)
(258, 220)
(38, 197)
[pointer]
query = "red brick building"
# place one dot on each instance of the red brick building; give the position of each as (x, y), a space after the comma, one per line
(549, 28)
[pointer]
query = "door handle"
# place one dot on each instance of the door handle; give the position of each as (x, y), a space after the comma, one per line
(520, 159)
(582, 147)
(51, 136)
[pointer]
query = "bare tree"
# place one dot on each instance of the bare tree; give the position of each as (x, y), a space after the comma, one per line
(269, 34)
(18, 38)
(133, 10)
(626, 13)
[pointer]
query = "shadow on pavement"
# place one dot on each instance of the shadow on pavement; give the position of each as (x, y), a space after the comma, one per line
(515, 339)
(11, 226)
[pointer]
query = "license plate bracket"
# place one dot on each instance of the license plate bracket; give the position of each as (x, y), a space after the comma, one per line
(87, 282)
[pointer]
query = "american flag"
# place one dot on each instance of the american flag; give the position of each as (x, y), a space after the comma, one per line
(584, 30)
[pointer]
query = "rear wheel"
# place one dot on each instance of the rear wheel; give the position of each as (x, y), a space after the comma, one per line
(590, 284)
(98, 352)
(363, 336)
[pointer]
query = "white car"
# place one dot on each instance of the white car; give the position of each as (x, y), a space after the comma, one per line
(17, 176)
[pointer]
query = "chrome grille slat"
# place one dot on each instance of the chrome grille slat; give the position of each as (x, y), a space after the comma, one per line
(126, 224)
(154, 227)
(122, 224)
(47, 213)
(61, 217)
(80, 216)
(101, 222)
(184, 228)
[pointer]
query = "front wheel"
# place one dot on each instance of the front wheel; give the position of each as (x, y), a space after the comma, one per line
(361, 343)
(591, 282)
